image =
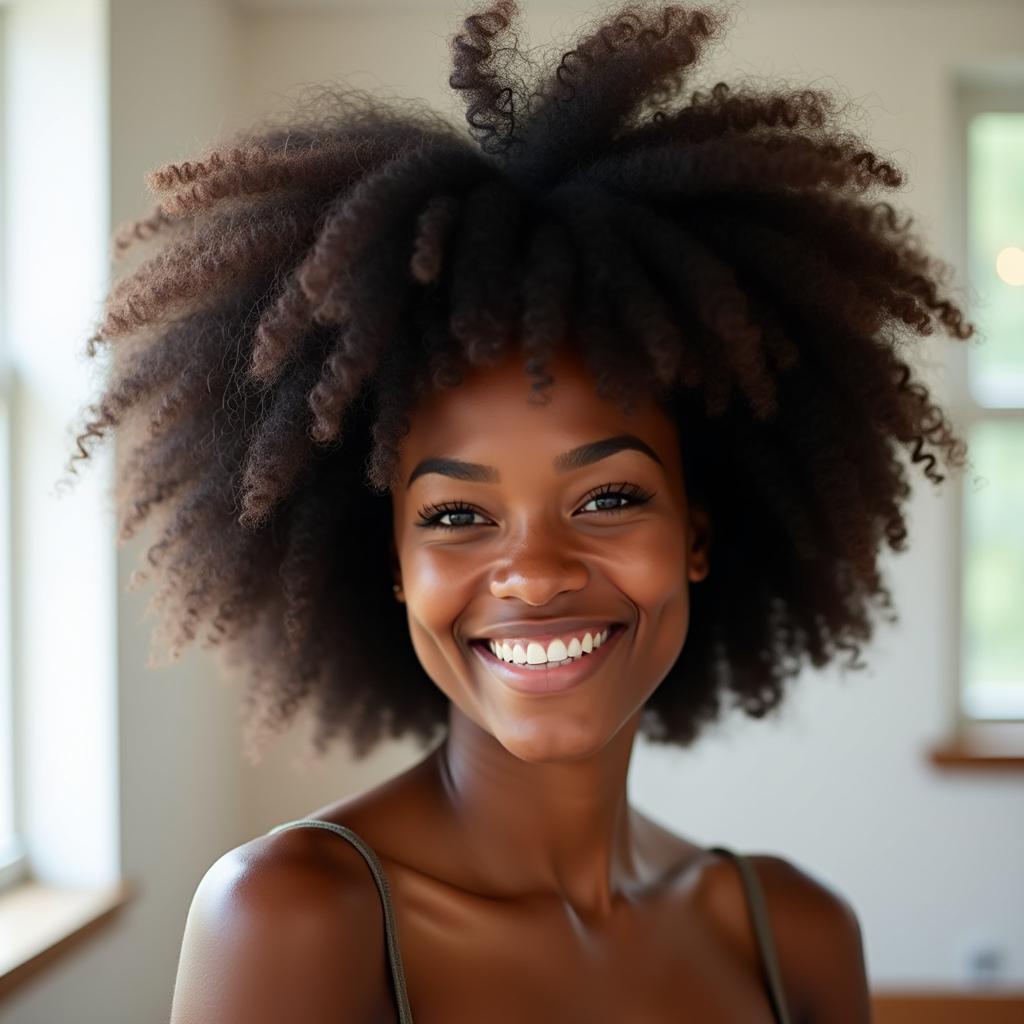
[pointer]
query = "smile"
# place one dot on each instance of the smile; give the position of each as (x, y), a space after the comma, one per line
(548, 677)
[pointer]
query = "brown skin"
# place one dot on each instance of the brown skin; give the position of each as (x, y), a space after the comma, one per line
(538, 785)
(525, 886)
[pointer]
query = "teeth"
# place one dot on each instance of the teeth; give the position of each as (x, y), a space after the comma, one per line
(557, 651)
(535, 654)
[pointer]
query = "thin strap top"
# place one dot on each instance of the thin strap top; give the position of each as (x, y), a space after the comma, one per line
(763, 932)
(755, 903)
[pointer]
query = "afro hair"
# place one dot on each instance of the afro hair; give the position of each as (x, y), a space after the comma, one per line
(309, 280)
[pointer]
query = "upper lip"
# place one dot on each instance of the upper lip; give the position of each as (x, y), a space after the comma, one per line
(542, 627)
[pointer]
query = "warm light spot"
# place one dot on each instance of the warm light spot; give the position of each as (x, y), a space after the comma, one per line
(1010, 265)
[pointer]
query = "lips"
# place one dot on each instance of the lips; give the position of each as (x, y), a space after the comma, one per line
(543, 679)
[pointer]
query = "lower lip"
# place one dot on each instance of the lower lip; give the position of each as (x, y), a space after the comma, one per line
(543, 679)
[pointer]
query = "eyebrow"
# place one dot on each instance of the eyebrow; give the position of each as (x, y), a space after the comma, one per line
(575, 458)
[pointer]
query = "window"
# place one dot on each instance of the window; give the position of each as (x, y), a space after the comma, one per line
(992, 497)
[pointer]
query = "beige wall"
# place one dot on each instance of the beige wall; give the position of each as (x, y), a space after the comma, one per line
(839, 784)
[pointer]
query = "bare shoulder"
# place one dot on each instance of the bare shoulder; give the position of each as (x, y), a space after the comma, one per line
(284, 927)
(816, 932)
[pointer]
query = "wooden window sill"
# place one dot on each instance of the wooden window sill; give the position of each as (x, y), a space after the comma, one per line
(40, 923)
(947, 1007)
(997, 745)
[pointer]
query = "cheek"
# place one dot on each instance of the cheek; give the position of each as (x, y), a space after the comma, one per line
(437, 592)
(434, 581)
(650, 566)
(650, 569)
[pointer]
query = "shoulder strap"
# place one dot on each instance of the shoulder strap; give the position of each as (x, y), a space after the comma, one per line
(759, 915)
(390, 928)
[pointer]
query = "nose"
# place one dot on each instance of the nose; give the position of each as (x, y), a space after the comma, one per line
(536, 576)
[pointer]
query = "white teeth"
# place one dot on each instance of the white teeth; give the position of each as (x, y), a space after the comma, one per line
(556, 652)
(535, 654)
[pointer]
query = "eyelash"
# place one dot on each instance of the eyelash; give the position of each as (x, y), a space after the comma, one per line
(430, 514)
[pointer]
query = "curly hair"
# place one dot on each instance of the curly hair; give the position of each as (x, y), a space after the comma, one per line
(318, 274)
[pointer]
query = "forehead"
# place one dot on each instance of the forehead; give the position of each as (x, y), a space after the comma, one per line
(490, 409)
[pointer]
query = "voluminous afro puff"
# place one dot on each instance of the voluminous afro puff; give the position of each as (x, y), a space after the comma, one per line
(314, 278)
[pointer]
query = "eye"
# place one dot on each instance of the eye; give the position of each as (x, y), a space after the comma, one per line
(431, 516)
(632, 494)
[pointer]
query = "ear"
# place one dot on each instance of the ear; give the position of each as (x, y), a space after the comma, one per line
(699, 543)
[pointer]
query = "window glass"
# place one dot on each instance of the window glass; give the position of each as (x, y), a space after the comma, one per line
(995, 222)
(993, 599)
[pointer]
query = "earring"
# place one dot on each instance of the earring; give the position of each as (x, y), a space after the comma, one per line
(395, 587)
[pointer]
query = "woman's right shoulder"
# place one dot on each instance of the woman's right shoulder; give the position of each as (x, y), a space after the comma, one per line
(305, 852)
(287, 925)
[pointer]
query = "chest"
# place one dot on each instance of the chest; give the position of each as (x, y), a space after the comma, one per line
(655, 961)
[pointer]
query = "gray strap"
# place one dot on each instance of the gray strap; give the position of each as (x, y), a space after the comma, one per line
(762, 928)
(390, 929)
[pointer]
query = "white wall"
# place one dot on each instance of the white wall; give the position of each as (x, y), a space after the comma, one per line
(840, 785)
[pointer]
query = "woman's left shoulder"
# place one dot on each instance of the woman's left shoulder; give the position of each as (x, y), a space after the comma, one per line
(818, 941)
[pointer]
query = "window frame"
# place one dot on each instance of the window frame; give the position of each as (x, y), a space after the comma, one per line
(974, 95)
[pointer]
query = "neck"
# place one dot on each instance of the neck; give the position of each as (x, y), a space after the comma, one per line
(563, 829)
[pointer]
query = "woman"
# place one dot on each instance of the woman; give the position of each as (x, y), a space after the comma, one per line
(530, 442)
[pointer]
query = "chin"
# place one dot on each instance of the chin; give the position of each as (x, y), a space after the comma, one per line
(551, 740)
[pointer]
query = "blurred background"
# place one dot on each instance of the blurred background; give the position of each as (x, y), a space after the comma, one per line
(901, 786)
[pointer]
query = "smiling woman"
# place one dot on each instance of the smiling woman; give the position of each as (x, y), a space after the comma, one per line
(527, 524)
(611, 399)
